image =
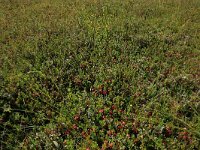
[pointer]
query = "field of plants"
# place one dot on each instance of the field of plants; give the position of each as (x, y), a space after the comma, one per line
(99, 74)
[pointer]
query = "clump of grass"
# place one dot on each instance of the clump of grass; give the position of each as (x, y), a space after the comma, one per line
(99, 74)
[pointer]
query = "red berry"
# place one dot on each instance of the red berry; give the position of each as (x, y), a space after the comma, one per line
(104, 92)
(164, 142)
(110, 145)
(103, 117)
(185, 137)
(135, 130)
(119, 127)
(101, 110)
(185, 133)
(149, 114)
(113, 107)
(84, 134)
(128, 136)
(111, 113)
(75, 127)
(168, 132)
(109, 132)
(66, 132)
(123, 123)
(77, 117)
(121, 111)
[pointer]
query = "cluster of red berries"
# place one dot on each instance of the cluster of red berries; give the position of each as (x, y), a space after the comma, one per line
(167, 132)
(184, 136)
(121, 125)
(102, 90)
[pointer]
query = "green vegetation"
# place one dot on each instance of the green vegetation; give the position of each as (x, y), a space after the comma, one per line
(99, 74)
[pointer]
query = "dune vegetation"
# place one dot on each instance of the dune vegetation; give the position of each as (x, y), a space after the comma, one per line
(99, 74)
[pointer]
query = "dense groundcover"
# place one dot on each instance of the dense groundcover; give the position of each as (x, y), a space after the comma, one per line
(99, 74)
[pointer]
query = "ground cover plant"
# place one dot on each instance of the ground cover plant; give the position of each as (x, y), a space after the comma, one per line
(99, 74)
